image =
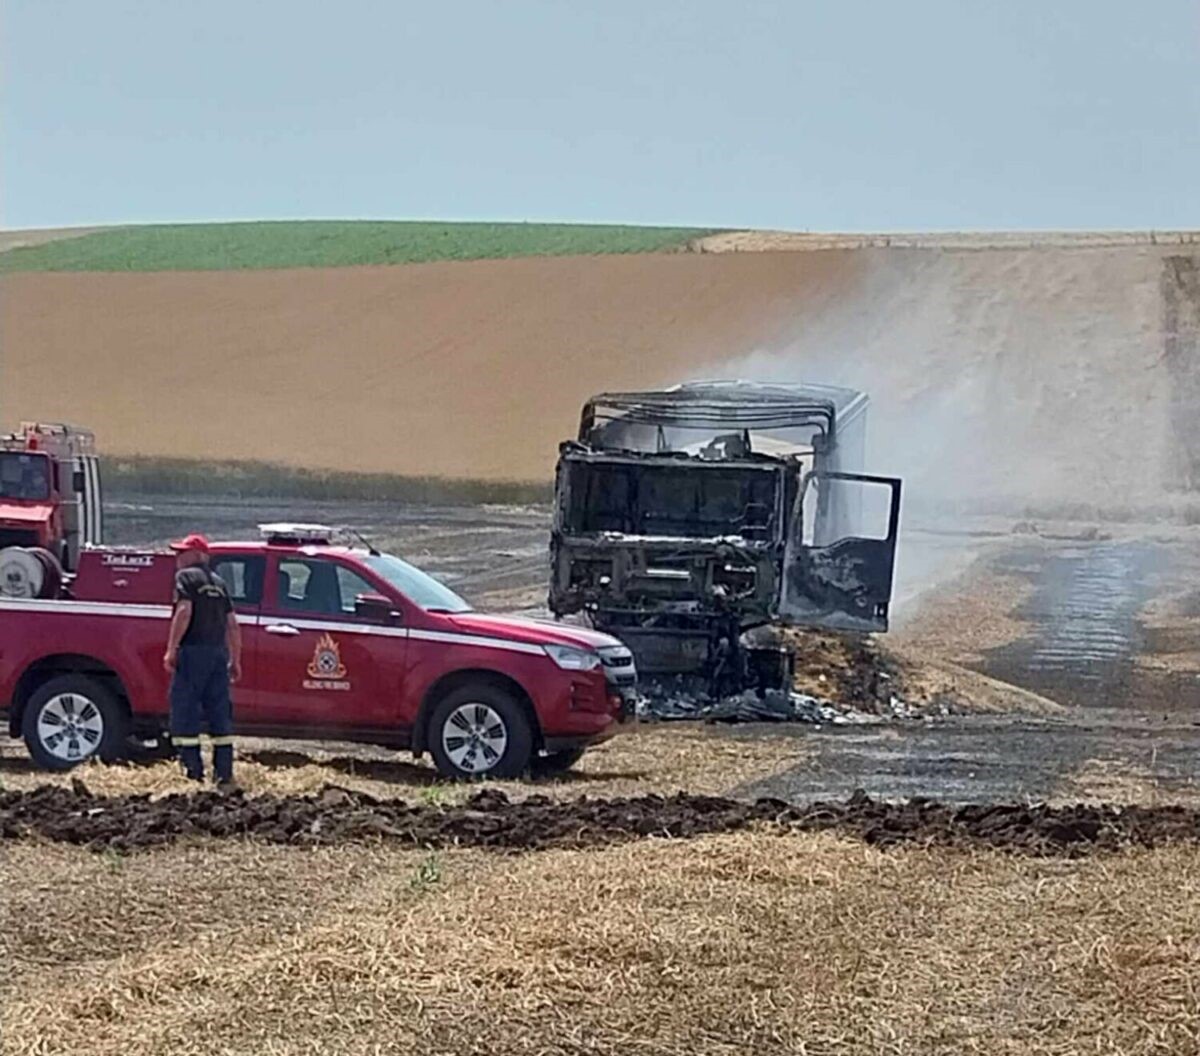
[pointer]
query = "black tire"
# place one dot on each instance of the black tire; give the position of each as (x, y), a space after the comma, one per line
(495, 721)
(53, 579)
(556, 762)
(101, 724)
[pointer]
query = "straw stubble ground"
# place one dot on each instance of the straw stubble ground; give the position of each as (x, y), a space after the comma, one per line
(783, 944)
(725, 944)
(647, 758)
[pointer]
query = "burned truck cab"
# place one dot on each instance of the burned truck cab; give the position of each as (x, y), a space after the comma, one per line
(688, 517)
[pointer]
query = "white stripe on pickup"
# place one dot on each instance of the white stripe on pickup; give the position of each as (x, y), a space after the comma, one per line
(476, 639)
(445, 637)
(95, 608)
(163, 612)
(86, 608)
(332, 626)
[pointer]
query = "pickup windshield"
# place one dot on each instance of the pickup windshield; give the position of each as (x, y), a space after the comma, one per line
(24, 476)
(419, 587)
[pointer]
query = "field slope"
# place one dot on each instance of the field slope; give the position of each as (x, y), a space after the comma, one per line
(999, 372)
(332, 243)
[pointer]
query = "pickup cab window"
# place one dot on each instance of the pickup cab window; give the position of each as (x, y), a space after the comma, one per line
(419, 587)
(318, 587)
(243, 576)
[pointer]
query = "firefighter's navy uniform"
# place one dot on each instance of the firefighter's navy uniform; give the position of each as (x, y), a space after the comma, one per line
(200, 699)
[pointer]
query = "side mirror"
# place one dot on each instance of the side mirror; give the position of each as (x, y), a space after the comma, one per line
(377, 609)
(77, 482)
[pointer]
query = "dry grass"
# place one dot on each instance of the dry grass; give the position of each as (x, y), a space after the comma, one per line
(963, 690)
(40, 236)
(1124, 781)
(799, 242)
(1172, 621)
(963, 620)
(661, 759)
(847, 669)
(730, 944)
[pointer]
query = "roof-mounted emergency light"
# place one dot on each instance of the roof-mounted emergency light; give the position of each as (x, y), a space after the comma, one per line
(296, 534)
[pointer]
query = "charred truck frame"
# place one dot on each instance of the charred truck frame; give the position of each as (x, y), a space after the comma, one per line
(688, 517)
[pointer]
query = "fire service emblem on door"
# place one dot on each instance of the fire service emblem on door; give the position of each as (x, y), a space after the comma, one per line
(325, 669)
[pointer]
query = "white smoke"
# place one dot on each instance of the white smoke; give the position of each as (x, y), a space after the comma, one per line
(1023, 382)
(1020, 377)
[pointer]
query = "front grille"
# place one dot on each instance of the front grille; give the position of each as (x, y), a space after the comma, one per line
(618, 663)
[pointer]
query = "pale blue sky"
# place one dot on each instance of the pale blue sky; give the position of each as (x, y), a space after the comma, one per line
(821, 115)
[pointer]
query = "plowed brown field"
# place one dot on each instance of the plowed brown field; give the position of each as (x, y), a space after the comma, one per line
(462, 369)
(1045, 372)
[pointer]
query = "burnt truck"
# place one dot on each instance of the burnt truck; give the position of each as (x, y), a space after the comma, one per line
(689, 521)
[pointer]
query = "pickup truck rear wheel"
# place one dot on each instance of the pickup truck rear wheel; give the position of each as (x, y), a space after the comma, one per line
(71, 719)
(480, 731)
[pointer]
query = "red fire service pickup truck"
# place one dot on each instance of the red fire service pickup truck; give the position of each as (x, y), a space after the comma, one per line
(339, 644)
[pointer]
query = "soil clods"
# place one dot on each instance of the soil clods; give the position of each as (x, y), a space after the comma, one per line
(490, 819)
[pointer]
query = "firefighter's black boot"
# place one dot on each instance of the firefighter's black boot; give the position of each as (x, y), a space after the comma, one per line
(193, 764)
(223, 763)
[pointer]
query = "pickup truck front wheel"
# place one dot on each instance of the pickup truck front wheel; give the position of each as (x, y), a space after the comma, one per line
(71, 719)
(480, 731)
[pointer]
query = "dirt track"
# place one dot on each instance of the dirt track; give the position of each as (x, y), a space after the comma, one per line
(489, 819)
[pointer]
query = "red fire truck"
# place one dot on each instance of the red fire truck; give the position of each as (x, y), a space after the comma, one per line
(50, 506)
(339, 643)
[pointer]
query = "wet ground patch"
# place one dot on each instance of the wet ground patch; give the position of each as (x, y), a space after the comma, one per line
(976, 758)
(1082, 620)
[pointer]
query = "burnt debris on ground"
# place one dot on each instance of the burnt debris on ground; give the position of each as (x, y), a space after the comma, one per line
(490, 819)
(837, 679)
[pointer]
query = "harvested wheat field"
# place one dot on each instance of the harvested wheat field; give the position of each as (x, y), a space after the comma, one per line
(646, 759)
(724, 944)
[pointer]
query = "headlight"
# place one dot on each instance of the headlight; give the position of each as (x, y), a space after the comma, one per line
(571, 659)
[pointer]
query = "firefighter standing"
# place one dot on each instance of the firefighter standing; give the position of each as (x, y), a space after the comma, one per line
(204, 656)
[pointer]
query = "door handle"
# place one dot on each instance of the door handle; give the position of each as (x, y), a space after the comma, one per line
(281, 628)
